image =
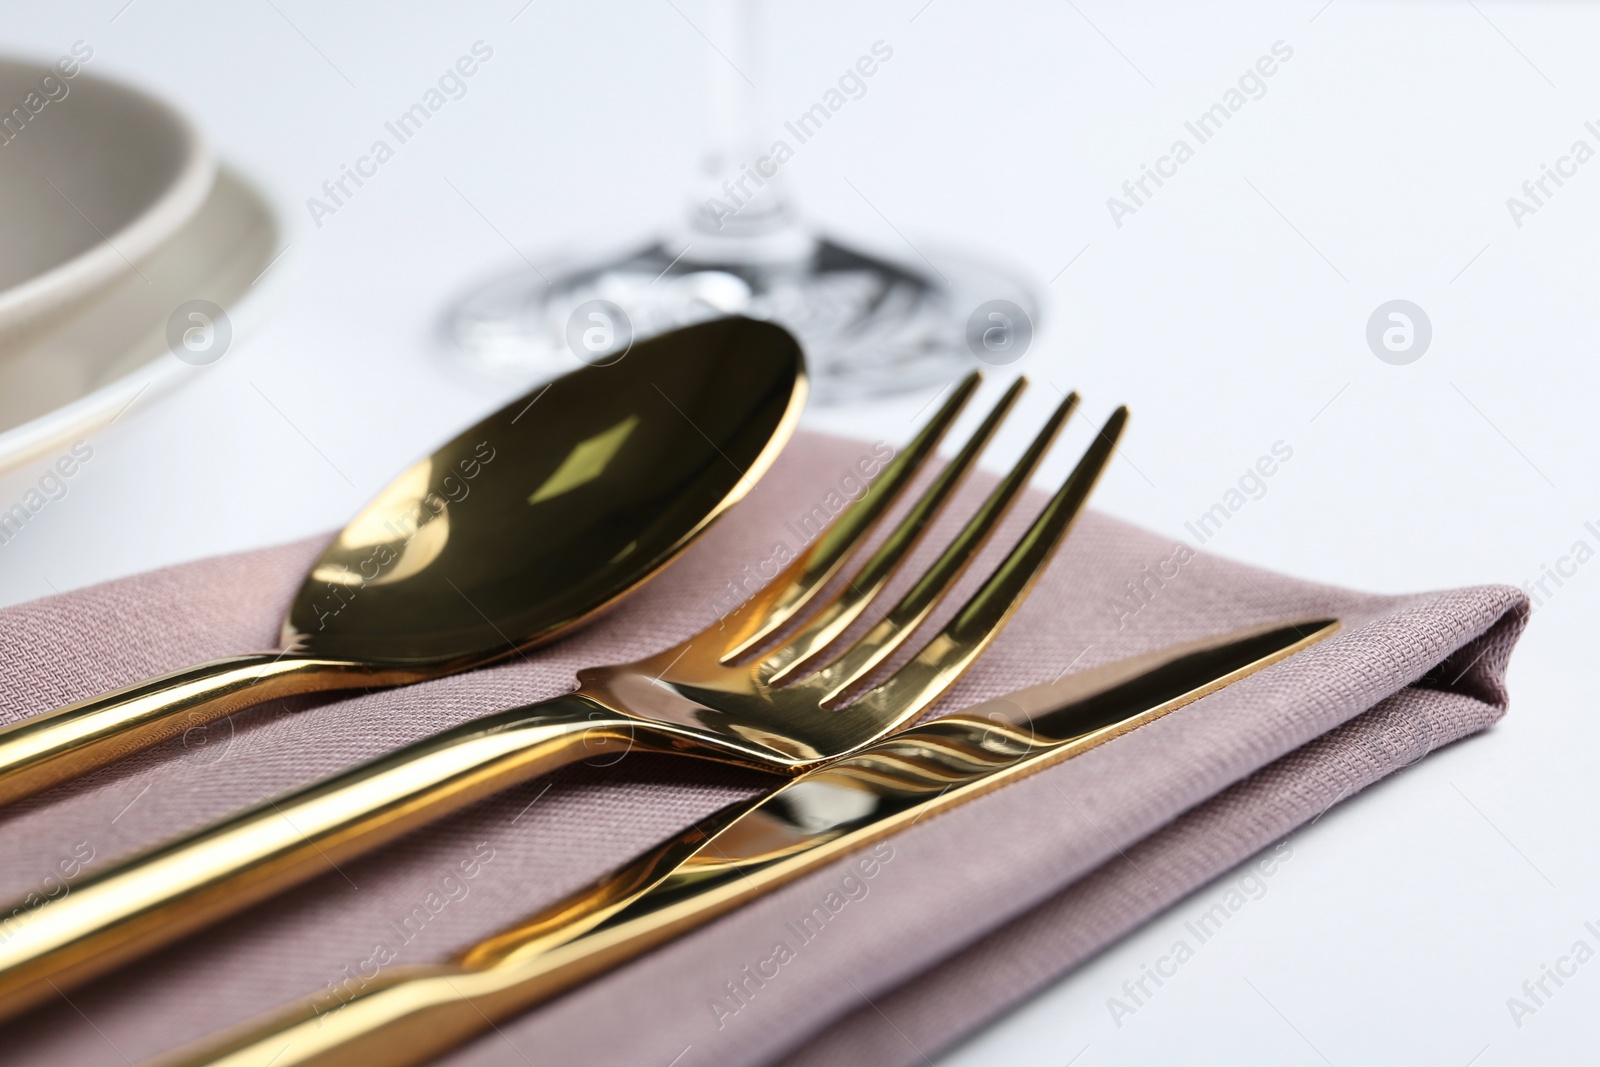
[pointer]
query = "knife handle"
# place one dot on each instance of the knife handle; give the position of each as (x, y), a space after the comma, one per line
(45, 750)
(177, 888)
(409, 1016)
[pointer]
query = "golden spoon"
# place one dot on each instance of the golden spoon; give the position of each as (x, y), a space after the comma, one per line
(520, 529)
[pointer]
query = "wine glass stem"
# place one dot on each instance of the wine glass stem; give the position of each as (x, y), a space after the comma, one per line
(734, 99)
(741, 212)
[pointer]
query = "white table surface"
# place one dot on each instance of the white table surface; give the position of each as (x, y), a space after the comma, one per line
(1229, 311)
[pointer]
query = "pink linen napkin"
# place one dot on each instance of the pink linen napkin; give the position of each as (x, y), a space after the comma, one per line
(963, 915)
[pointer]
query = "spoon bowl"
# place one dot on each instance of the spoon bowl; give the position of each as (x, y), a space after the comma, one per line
(553, 508)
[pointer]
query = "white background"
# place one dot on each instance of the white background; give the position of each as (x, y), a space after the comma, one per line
(1229, 312)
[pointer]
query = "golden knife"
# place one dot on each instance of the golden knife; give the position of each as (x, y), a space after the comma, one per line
(414, 1014)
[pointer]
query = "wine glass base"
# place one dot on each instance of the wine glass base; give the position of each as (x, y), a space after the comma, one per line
(869, 326)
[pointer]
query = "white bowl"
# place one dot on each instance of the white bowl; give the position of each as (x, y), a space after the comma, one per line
(91, 183)
(114, 356)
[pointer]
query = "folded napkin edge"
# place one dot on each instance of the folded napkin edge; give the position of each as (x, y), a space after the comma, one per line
(998, 971)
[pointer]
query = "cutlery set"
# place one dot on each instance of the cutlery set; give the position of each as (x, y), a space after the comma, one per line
(528, 525)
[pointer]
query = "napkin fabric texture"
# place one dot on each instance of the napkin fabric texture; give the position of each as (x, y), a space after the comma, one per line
(962, 915)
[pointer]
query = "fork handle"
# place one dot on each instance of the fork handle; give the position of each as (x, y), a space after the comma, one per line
(45, 750)
(176, 888)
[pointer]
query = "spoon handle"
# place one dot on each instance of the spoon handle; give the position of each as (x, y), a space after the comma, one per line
(45, 750)
(196, 880)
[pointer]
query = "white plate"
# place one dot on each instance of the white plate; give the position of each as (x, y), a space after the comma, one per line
(94, 176)
(115, 349)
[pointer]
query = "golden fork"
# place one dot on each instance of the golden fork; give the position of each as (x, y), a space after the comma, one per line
(412, 1014)
(693, 699)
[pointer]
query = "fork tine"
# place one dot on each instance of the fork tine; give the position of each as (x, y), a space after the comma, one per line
(834, 617)
(902, 620)
(777, 602)
(911, 689)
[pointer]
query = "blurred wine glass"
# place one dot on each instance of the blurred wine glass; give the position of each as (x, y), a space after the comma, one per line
(870, 324)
